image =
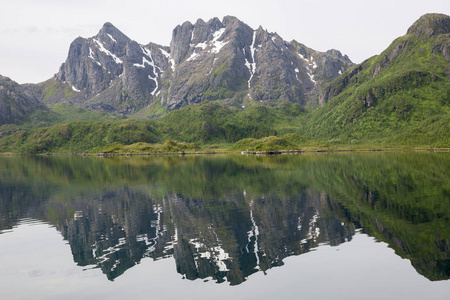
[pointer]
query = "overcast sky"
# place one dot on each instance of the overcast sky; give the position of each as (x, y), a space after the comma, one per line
(36, 34)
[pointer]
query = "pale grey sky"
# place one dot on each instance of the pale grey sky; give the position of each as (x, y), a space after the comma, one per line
(36, 34)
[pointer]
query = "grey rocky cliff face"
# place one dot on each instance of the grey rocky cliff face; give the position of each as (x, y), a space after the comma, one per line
(215, 60)
(92, 63)
(230, 61)
(17, 102)
(110, 72)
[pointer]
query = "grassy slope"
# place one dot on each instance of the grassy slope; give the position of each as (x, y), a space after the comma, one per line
(406, 104)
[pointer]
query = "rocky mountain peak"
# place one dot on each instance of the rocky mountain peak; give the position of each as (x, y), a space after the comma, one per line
(431, 24)
(108, 28)
(208, 60)
(215, 24)
(113, 39)
(338, 54)
(229, 21)
(111, 72)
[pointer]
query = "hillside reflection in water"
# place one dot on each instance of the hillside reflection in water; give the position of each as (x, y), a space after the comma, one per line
(224, 218)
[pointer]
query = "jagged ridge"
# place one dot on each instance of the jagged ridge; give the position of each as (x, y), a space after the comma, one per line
(215, 60)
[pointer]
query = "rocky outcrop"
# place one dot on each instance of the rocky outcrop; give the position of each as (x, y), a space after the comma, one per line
(334, 88)
(16, 102)
(389, 57)
(430, 24)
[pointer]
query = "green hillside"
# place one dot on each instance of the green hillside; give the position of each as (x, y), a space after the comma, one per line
(204, 124)
(401, 97)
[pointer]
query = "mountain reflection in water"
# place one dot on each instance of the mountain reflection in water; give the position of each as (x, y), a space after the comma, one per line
(227, 217)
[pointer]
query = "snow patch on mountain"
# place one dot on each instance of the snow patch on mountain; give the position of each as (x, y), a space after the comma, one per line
(144, 61)
(193, 56)
(296, 74)
(167, 55)
(110, 36)
(107, 52)
(151, 63)
(200, 45)
(311, 76)
(214, 45)
(251, 66)
(218, 45)
(91, 56)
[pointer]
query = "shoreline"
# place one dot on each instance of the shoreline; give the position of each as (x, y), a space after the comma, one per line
(256, 153)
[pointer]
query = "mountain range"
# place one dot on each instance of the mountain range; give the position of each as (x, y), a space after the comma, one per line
(215, 60)
(405, 90)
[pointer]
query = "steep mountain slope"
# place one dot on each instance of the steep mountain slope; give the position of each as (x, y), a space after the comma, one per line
(108, 72)
(230, 60)
(17, 103)
(402, 94)
(211, 60)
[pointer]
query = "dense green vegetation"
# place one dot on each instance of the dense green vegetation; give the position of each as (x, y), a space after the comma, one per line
(399, 98)
(210, 122)
(80, 136)
(193, 127)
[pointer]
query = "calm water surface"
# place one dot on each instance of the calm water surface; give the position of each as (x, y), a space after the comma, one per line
(310, 226)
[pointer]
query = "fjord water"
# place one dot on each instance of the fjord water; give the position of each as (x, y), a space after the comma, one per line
(314, 226)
